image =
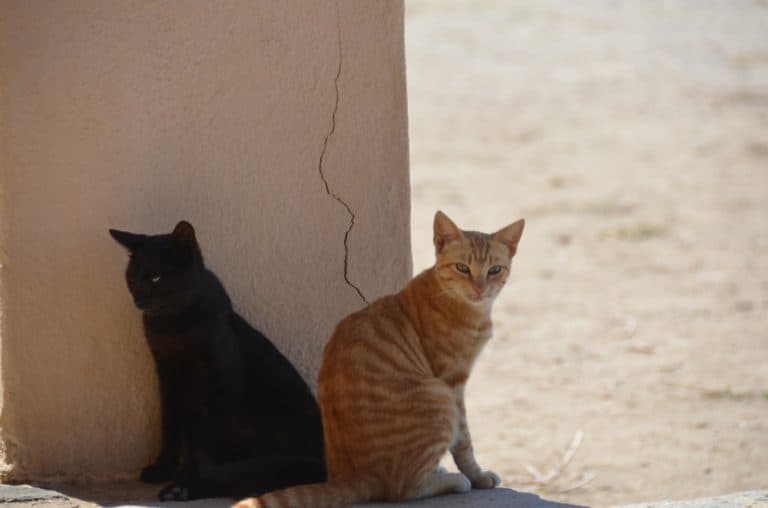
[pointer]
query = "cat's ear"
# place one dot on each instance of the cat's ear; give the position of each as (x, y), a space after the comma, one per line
(510, 235)
(130, 241)
(184, 235)
(445, 231)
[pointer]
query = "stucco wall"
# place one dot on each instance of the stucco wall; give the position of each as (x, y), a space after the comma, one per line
(233, 115)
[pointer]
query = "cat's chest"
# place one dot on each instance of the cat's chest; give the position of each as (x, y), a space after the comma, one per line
(188, 373)
(182, 355)
(466, 342)
(174, 347)
(460, 348)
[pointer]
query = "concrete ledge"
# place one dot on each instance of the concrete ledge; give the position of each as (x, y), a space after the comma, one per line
(27, 494)
(138, 495)
(476, 499)
(494, 498)
(751, 499)
(135, 495)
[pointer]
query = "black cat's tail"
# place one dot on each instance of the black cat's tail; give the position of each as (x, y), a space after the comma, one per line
(317, 495)
(259, 475)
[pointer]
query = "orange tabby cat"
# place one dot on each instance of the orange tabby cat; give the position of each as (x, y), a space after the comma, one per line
(391, 386)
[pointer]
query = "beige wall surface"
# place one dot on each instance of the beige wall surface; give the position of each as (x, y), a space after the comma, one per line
(233, 115)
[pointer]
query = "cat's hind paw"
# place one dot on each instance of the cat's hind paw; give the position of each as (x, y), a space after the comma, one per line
(486, 480)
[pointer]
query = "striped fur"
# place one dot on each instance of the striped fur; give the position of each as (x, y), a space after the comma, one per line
(391, 385)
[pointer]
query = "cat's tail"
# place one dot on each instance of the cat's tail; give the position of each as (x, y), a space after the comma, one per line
(315, 495)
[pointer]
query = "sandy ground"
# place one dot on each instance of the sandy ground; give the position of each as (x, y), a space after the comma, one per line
(633, 137)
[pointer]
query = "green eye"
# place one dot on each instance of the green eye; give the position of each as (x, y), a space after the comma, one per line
(494, 270)
(461, 267)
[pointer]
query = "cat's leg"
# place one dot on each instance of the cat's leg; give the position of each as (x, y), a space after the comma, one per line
(439, 482)
(253, 458)
(164, 468)
(259, 475)
(431, 427)
(463, 453)
(186, 483)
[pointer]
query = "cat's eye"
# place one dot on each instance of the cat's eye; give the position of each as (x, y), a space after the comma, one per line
(155, 279)
(494, 270)
(461, 267)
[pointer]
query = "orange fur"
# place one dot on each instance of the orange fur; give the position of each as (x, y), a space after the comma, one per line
(391, 385)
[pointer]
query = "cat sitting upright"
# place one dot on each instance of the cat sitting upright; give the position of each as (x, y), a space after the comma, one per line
(237, 417)
(391, 385)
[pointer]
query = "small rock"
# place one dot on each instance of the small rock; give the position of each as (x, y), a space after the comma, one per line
(640, 346)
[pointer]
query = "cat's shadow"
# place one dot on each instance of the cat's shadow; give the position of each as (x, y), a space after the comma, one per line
(134, 494)
(493, 498)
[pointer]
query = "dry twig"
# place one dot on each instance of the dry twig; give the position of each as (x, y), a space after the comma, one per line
(544, 479)
(585, 479)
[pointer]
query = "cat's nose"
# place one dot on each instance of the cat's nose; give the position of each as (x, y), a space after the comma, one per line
(140, 301)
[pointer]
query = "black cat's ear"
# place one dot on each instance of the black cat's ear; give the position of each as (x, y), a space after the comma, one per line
(184, 235)
(130, 241)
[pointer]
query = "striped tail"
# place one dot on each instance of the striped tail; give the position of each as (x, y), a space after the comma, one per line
(315, 495)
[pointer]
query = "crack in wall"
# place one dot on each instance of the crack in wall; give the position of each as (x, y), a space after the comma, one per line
(322, 160)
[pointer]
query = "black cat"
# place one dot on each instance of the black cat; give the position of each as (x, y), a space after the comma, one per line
(237, 418)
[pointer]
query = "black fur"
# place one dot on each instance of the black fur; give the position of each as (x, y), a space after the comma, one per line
(237, 418)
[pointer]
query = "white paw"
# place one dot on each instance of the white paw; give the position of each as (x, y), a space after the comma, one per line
(462, 483)
(486, 480)
(174, 493)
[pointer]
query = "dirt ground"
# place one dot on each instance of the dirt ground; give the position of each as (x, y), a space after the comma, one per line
(630, 360)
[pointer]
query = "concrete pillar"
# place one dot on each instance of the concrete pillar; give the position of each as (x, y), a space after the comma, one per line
(277, 128)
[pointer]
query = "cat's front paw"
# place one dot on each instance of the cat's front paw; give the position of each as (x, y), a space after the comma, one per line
(158, 472)
(177, 491)
(462, 483)
(486, 480)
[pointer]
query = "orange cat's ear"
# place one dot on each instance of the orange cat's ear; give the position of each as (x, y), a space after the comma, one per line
(445, 231)
(510, 235)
